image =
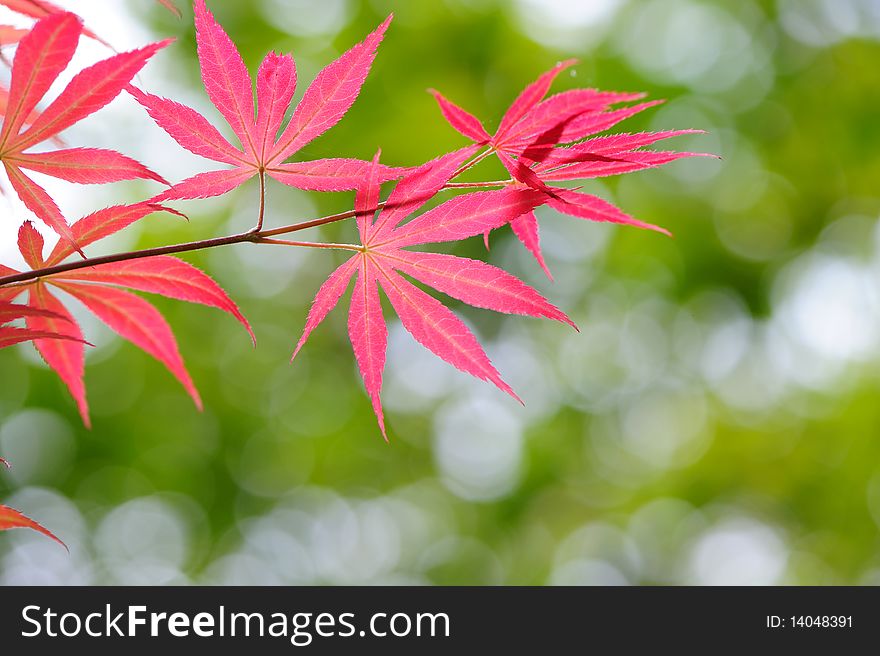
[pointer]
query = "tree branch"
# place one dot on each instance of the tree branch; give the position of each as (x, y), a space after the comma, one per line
(255, 236)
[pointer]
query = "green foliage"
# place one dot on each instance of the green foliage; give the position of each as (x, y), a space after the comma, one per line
(715, 421)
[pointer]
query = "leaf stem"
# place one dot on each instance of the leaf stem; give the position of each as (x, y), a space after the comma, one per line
(474, 185)
(476, 160)
(259, 225)
(310, 244)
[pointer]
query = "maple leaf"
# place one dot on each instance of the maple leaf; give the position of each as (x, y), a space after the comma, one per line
(533, 121)
(11, 518)
(230, 88)
(529, 143)
(383, 257)
(100, 289)
(41, 9)
(11, 335)
(11, 311)
(40, 58)
(4, 103)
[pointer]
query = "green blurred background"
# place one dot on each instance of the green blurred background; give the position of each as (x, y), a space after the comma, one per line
(715, 420)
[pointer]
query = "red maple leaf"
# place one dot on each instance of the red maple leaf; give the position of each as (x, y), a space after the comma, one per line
(530, 144)
(42, 9)
(230, 88)
(40, 58)
(11, 335)
(100, 289)
(563, 118)
(11, 518)
(383, 257)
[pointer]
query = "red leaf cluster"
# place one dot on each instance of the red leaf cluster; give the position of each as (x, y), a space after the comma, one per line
(546, 140)
(540, 141)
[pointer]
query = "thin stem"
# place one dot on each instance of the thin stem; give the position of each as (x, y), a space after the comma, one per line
(310, 244)
(259, 225)
(476, 160)
(474, 185)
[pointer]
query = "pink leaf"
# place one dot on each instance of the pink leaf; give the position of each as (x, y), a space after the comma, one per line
(10, 335)
(206, 185)
(189, 128)
(368, 334)
(529, 97)
(89, 90)
(30, 245)
(476, 283)
(11, 312)
(65, 357)
(138, 322)
(166, 276)
(589, 124)
(615, 164)
(39, 60)
(41, 57)
(330, 96)
(609, 145)
(39, 202)
(465, 216)
(86, 166)
(525, 227)
(591, 207)
(330, 174)
(551, 116)
(326, 299)
(466, 123)
(226, 78)
(276, 84)
(229, 86)
(437, 329)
